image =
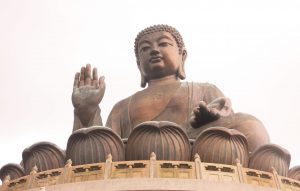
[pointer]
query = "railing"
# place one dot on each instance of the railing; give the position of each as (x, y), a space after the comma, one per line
(151, 169)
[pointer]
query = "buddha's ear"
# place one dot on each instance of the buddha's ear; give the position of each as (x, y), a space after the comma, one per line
(143, 78)
(181, 71)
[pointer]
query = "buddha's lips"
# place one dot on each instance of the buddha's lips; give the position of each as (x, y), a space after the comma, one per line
(155, 59)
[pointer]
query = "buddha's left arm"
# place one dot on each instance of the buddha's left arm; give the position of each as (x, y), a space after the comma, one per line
(214, 98)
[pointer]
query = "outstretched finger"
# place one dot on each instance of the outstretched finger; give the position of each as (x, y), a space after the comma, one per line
(196, 110)
(95, 77)
(202, 104)
(76, 80)
(87, 74)
(214, 112)
(101, 84)
(81, 81)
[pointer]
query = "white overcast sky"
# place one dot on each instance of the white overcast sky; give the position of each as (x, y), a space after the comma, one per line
(249, 49)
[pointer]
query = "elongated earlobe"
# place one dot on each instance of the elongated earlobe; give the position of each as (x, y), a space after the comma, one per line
(181, 71)
(144, 81)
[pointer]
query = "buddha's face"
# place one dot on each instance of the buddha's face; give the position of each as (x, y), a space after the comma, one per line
(159, 55)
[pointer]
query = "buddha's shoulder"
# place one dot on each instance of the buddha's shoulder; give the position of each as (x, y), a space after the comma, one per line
(122, 104)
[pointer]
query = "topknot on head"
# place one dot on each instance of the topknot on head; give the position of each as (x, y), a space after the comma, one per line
(158, 28)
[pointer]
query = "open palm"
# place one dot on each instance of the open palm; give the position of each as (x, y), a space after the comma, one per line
(88, 90)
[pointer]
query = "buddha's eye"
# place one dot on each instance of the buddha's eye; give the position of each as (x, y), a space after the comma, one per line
(164, 44)
(144, 48)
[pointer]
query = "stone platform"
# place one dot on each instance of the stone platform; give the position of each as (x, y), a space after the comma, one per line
(152, 175)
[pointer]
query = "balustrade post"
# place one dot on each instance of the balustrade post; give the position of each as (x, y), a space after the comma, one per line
(108, 167)
(276, 178)
(5, 183)
(198, 167)
(152, 167)
(66, 174)
(240, 171)
(31, 177)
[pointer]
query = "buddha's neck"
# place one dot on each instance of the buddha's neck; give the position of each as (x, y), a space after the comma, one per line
(163, 81)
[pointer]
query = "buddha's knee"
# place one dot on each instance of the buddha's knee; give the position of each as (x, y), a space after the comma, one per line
(252, 128)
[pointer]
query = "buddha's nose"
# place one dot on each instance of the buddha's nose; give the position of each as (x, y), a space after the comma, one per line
(154, 52)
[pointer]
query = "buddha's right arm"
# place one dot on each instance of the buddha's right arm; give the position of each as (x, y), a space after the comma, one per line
(88, 92)
(94, 120)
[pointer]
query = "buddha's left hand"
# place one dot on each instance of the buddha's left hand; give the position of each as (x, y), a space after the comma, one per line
(205, 113)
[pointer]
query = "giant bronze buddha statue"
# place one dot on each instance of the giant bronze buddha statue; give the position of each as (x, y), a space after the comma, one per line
(188, 130)
(195, 107)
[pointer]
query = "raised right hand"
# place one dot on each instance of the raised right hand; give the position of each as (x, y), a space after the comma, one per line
(88, 92)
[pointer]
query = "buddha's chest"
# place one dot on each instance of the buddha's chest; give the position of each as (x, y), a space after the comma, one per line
(169, 103)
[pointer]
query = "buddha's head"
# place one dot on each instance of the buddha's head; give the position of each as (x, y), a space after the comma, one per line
(160, 52)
